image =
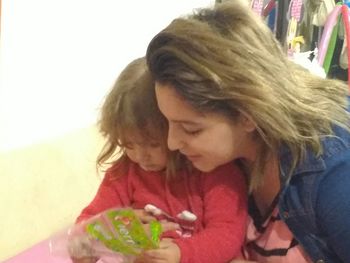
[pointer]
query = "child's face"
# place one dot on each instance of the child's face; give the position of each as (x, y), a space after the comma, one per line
(149, 155)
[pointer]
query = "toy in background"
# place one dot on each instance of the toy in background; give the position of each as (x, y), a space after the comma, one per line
(257, 6)
(117, 234)
(296, 44)
(335, 40)
(294, 15)
(308, 59)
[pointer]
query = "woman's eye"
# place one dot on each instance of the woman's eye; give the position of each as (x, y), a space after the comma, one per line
(192, 132)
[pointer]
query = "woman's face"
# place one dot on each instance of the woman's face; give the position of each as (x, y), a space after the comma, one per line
(207, 139)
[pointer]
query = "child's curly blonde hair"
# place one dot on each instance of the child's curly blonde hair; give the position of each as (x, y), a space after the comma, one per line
(131, 106)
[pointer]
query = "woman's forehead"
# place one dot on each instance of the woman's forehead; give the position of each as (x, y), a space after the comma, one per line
(173, 106)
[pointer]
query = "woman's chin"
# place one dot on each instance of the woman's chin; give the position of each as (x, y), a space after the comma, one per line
(204, 167)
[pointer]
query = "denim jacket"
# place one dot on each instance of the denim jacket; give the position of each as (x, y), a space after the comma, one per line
(315, 199)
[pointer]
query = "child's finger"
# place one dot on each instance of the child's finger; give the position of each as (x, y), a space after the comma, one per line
(152, 255)
(169, 226)
(148, 258)
(144, 216)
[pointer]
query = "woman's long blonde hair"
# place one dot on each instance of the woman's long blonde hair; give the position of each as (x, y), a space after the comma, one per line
(130, 107)
(225, 59)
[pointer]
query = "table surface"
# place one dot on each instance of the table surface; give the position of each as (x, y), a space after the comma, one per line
(40, 253)
(37, 253)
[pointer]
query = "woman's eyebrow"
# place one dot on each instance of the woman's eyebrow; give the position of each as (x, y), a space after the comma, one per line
(186, 122)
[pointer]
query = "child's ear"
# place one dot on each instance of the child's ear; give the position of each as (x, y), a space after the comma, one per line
(247, 122)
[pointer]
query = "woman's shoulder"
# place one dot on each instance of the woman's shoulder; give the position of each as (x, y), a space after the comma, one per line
(325, 173)
(334, 148)
(339, 140)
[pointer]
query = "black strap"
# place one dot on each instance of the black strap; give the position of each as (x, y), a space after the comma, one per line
(272, 252)
(257, 217)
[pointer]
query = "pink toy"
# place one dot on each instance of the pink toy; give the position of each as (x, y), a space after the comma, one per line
(327, 32)
(345, 14)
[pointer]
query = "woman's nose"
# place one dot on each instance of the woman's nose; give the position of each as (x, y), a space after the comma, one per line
(174, 138)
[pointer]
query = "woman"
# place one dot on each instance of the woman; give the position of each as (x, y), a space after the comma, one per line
(230, 94)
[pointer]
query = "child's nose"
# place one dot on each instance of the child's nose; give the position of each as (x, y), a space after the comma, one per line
(142, 155)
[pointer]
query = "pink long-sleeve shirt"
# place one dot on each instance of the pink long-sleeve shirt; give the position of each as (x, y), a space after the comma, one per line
(217, 198)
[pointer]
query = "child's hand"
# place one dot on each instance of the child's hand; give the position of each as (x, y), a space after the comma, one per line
(168, 252)
(81, 250)
(144, 216)
(166, 226)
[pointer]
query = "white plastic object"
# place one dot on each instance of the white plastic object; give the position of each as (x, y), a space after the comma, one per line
(153, 210)
(187, 215)
(184, 215)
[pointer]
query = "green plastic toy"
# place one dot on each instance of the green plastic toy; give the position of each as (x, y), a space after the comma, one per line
(121, 230)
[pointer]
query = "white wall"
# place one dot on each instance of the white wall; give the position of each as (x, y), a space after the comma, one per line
(59, 58)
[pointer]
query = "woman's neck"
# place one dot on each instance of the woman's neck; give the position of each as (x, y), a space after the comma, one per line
(269, 187)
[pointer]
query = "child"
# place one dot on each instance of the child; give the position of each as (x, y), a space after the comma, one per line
(210, 208)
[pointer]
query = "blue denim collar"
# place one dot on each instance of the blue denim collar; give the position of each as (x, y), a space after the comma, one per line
(332, 145)
(310, 163)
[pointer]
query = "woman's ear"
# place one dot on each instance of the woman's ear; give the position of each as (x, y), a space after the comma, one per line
(247, 122)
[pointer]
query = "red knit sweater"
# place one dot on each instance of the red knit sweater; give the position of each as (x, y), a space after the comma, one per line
(218, 199)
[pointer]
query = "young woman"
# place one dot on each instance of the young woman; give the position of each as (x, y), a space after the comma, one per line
(231, 95)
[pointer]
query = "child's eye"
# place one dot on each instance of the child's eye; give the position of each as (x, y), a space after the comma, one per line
(154, 144)
(128, 146)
